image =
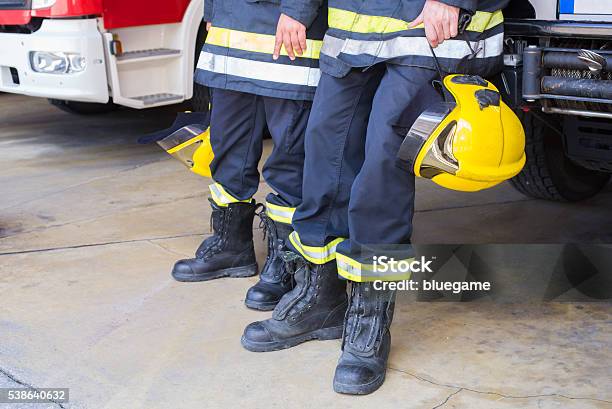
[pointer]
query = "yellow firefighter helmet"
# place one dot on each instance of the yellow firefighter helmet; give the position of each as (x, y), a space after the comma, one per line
(470, 142)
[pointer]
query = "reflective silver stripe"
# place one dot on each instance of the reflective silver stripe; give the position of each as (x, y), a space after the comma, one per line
(280, 213)
(318, 255)
(355, 271)
(412, 46)
(221, 197)
(258, 70)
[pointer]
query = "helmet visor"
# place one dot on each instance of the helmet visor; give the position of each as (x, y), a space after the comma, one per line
(417, 137)
(183, 143)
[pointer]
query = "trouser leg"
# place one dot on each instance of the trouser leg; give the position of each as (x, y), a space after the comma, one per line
(334, 146)
(382, 196)
(237, 125)
(283, 172)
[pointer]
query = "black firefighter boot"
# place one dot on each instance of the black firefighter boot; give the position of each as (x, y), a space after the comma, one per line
(229, 252)
(314, 309)
(274, 279)
(366, 340)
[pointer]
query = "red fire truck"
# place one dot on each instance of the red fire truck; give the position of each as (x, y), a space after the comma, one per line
(86, 55)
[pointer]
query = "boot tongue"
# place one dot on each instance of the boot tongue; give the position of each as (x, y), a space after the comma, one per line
(216, 217)
(277, 234)
(301, 271)
(367, 319)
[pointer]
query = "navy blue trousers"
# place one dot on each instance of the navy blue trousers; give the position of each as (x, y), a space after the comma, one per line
(238, 123)
(352, 188)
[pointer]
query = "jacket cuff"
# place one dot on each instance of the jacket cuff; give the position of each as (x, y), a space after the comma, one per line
(303, 11)
(208, 10)
(469, 5)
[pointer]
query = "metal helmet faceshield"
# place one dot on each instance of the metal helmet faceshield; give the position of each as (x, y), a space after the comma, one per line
(470, 142)
(191, 146)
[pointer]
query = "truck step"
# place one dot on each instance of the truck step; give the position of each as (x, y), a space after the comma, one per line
(154, 99)
(155, 53)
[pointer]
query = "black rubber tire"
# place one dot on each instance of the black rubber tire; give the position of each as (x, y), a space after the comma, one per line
(549, 174)
(201, 97)
(83, 108)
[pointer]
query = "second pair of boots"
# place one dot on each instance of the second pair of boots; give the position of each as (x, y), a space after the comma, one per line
(230, 252)
(318, 308)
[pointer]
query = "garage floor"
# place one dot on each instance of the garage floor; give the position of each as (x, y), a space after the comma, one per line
(91, 223)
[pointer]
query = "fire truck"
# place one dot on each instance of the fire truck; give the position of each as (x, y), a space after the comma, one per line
(91, 55)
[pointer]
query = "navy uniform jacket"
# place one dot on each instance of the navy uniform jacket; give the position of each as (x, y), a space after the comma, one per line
(238, 51)
(364, 32)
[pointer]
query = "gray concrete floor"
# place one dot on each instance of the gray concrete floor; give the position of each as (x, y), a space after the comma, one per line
(91, 223)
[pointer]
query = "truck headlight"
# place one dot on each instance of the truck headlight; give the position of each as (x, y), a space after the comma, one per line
(42, 4)
(56, 62)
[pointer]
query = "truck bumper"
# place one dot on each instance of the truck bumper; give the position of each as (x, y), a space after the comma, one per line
(70, 36)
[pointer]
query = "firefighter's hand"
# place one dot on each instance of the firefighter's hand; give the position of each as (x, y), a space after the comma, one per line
(208, 25)
(292, 34)
(440, 21)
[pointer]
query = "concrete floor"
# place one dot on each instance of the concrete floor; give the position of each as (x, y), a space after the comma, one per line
(91, 223)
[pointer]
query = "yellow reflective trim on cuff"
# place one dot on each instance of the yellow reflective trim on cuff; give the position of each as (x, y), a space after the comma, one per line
(255, 42)
(317, 255)
(280, 214)
(355, 271)
(221, 197)
(361, 23)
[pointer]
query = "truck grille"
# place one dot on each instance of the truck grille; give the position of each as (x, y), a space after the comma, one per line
(14, 4)
(563, 72)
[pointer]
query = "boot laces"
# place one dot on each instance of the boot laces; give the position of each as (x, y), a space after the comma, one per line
(217, 246)
(269, 229)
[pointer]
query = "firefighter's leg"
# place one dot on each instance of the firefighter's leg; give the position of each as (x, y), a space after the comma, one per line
(283, 172)
(315, 308)
(380, 225)
(237, 125)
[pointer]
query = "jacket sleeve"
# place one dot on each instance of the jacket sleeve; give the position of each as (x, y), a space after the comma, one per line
(304, 11)
(208, 10)
(469, 5)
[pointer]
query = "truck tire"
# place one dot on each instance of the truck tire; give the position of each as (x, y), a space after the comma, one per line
(549, 174)
(83, 108)
(201, 97)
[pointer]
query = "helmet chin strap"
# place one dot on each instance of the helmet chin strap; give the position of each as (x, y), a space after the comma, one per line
(438, 83)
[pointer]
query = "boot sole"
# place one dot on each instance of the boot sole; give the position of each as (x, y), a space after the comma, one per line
(364, 389)
(234, 272)
(260, 306)
(320, 334)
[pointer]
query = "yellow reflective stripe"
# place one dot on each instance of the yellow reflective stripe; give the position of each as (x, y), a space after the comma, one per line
(355, 271)
(221, 197)
(361, 23)
(483, 20)
(280, 214)
(317, 255)
(254, 42)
